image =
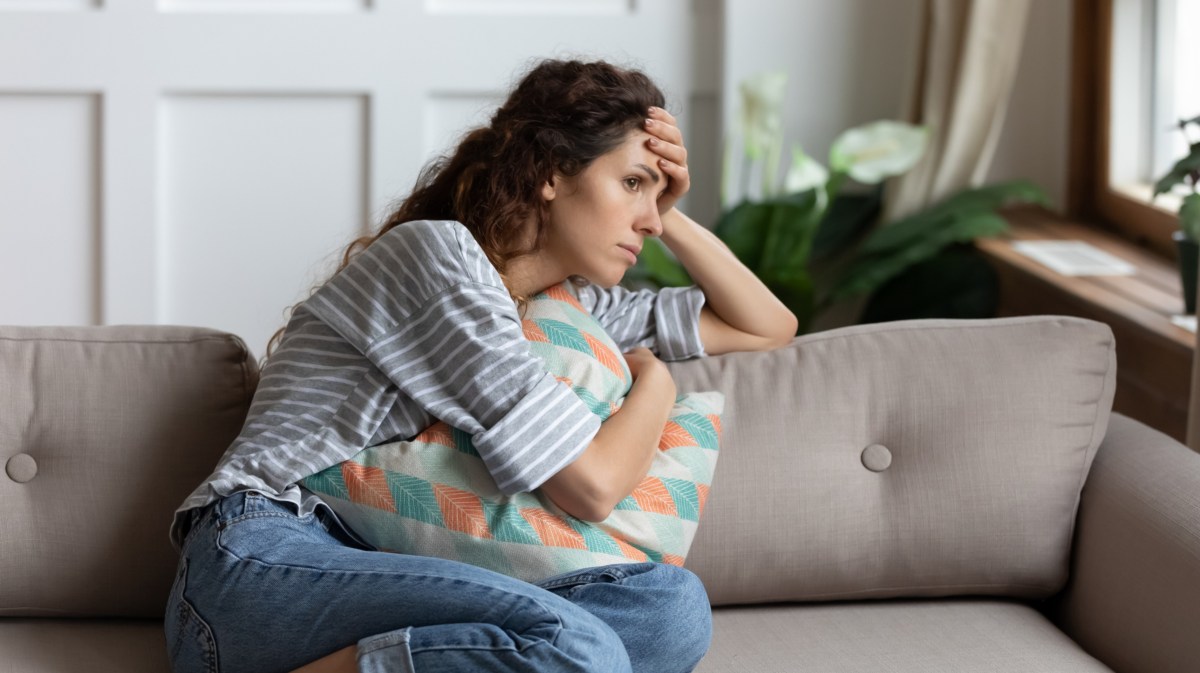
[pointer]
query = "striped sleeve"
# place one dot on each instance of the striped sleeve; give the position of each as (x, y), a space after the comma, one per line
(666, 321)
(461, 355)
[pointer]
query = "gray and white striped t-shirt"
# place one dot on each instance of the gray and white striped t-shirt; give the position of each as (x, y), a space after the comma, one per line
(419, 327)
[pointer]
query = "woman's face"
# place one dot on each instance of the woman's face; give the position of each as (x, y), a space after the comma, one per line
(600, 218)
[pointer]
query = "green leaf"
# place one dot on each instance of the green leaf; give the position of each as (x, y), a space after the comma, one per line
(744, 229)
(770, 234)
(656, 266)
(871, 271)
(848, 217)
(908, 230)
(1182, 168)
(795, 289)
(1189, 216)
(957, 283)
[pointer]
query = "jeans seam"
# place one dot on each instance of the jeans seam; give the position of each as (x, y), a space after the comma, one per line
(222, 525)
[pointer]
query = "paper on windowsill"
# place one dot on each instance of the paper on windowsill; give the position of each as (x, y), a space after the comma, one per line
(1188, 322)
(1074, 258)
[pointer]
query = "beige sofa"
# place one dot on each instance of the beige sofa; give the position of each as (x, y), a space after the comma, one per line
(898, 497)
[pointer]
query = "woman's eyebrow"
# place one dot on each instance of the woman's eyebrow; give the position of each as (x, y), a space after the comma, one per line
(649, 171)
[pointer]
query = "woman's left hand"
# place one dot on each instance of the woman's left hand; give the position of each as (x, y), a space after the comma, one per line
(666, 140)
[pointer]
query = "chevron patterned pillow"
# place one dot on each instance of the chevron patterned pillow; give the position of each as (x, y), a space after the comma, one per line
(433, 496)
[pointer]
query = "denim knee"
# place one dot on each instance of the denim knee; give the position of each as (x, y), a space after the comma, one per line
(692, 632)
(593, 644)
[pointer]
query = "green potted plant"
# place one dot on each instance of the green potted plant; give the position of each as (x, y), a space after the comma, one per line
(1186, 171)
(806, 220)
(774, 233)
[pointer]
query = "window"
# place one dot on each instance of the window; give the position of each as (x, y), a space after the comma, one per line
(1136, 75)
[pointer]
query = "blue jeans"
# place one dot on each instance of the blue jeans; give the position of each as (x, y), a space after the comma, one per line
(261, 589)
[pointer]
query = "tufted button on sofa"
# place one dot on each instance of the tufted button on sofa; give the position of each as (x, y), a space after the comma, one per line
(914, 496)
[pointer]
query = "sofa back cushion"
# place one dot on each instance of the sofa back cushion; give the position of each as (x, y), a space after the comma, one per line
(103, 432)
(916, 458)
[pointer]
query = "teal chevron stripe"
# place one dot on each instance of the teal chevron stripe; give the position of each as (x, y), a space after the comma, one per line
(699, 427)
(654, 555)
(414, 498)
(563, 335)
(598, 406)
(628, 503)
(699, 463)
(507, 524)
(329, 482)
(596, 540)
(687, 501)
(462, 441)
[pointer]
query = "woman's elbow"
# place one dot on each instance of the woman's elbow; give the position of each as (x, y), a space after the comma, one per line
(576, 492)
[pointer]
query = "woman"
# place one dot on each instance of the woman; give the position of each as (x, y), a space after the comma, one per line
(577, 168)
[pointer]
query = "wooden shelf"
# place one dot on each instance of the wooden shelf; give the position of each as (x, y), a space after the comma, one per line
(1154, 355)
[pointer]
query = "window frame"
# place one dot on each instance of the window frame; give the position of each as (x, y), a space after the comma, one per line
(1089, 194)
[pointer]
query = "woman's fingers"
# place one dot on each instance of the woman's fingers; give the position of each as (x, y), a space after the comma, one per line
(660, 123)
(666, 140)
(668, 151)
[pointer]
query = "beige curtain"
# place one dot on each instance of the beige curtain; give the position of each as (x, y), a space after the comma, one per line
(967, 61)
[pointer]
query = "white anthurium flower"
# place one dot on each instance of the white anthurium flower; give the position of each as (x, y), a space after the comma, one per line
(805, 173)
(879, 150)
(762, 101)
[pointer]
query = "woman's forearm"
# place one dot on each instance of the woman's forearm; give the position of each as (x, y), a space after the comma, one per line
(731, 290)
(620, 454)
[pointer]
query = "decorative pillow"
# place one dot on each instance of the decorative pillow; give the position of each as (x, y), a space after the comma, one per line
(433, 495)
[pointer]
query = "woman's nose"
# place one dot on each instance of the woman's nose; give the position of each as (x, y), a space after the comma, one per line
(650, 224)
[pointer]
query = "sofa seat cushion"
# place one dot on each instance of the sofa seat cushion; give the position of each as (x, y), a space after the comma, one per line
(97, 646)
(901, 636)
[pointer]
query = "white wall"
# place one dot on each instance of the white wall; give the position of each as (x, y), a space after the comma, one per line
(851, 62)
(197, 161)
(203, 161)
(847, 62)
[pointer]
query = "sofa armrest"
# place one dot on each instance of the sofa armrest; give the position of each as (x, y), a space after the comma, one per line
(1133, 599)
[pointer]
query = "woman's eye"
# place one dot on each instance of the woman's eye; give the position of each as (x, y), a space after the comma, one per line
(632, 183)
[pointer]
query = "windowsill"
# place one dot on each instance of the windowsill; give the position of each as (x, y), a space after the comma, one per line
(1146, 299)
(1167, 203)
(1154, 355)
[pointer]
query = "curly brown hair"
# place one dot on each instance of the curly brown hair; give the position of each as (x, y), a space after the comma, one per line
(561, 117)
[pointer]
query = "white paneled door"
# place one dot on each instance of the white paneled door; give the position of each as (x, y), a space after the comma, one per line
(202, 162)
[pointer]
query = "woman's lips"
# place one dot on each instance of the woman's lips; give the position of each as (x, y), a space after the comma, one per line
(632, 254)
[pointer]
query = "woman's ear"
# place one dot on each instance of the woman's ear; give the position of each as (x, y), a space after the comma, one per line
(550, 188)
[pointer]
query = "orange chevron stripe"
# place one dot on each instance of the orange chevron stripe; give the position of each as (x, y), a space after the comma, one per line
(674, 435)
(702, 496)
(462, 511)
(604, 354)
(672, 559)
(368, 486)
(652, 496)
(630, 552)
(533, 332)
(716, 422)
(560, 293)
(553, 531)
(438, 433)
